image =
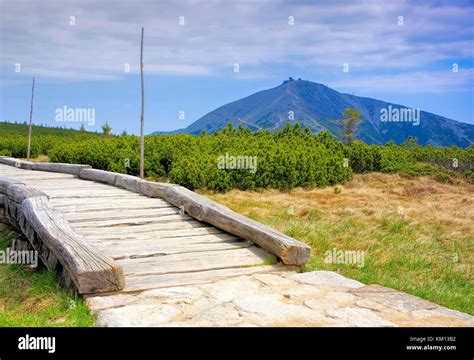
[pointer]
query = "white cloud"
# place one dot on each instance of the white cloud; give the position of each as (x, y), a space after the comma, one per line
(217, 34)
(411, 82)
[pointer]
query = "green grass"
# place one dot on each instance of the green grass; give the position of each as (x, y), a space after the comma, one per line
(393, 257)
(31, 298)
(396, 260)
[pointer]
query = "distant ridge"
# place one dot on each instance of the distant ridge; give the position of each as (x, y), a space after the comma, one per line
(317, 107)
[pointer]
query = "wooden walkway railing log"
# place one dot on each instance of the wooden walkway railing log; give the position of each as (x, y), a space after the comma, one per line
(58, 245)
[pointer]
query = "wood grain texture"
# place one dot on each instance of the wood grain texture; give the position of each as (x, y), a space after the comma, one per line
(90, 270)
(145, 282)
(49, 233)
(193, 262)
(72, 169)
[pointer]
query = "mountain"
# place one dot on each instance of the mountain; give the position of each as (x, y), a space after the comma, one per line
(317, 106)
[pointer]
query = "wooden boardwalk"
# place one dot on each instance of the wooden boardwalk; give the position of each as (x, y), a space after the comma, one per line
(156, 245)
(141, 261)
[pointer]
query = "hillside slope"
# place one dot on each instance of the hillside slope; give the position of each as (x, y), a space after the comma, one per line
(318, 107)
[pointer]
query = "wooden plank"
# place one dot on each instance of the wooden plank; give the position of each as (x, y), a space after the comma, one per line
(138, 199)
(74, 193)
(95, 197)
(16, 163)
(15, 170)
(128, 222)
(142, 201)
(116, 230)
(19, 192)
(154, 234)
(127, 206)
(31, 177)
(59, 167)
(43, 166)
(137, 250)
(113, 214)
(146, 282)
(90, 270)
(98, 175)
(67, 185)
(84, 189)
(148, 188)
(203, 234)
(73, 184)
(192, 262)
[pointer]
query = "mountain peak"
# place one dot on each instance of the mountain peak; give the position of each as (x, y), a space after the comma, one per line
(318, 107)
(297, 81)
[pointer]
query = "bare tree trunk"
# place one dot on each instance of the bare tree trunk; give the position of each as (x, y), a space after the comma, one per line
(31, 118)
(142, 138)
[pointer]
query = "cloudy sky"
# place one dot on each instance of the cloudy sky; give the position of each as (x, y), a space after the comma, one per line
(80, 51)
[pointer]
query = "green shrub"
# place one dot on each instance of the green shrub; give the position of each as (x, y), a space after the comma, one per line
(285, 159)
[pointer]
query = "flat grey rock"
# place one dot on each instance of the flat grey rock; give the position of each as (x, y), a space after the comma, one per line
(358, 317)
(327, 278)
(137, 315)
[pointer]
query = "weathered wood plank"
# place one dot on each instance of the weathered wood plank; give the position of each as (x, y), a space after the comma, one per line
(42, 166)
(96, 196)
(146, 282)
(192, 262)
(89, 269)
(118, 215)
(73, 169)
(35, 176)
(19, 192)
(125, 207)
(34, 181)
(139, 199)
(141, 186)
(154, 234)
(133, 222)
(71, 192)
(115, 230)
(137, 250)
(203, 234)
(98, 175)
(5, 182)
(17, 163)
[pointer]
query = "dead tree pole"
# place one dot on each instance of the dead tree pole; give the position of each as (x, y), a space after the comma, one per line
(142, 138)
(31, 118)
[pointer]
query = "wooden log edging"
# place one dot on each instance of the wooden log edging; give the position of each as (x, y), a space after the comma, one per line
(72, 169)
(59, 247)
(289, 250)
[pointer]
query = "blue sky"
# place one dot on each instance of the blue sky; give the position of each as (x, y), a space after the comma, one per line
(190, 67)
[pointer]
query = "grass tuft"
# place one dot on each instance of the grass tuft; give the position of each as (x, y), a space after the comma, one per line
(34, 298)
